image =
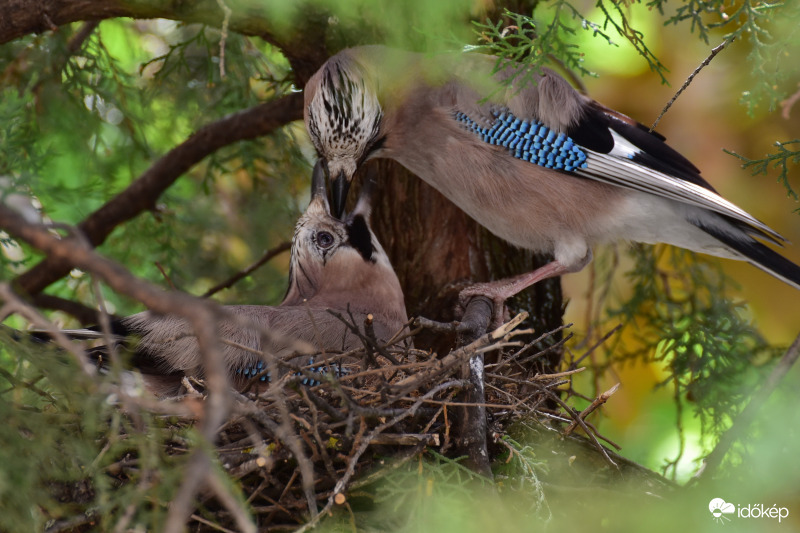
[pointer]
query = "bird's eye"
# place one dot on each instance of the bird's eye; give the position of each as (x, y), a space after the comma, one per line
(324, 239)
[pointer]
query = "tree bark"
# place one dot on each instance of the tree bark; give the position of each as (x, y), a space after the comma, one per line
(437, 250)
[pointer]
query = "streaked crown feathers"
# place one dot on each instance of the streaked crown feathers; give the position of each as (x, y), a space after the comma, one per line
(344, 115)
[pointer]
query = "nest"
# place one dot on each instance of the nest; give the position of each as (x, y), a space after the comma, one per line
(299, 445)
(295, 448)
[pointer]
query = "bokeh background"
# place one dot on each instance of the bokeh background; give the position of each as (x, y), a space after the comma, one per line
(710, 116)
(79, 147)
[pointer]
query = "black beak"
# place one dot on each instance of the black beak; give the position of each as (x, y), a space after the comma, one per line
(340, 186)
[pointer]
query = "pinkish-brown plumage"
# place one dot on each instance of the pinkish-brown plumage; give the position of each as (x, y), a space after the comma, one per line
(526, 156)
(335, 265)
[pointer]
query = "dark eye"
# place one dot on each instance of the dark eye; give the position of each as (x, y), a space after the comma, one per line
(324, 239)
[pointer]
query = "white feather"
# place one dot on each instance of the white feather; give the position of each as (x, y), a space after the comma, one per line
(617, 169)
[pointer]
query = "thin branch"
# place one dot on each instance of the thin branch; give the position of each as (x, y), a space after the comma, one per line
(142, 194)
(269, 254)
(223, 35)
(714, 51)
(584, 425)
(600, 400)
(594, 346)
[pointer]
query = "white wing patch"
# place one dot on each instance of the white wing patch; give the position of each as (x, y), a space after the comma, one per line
(617, 168)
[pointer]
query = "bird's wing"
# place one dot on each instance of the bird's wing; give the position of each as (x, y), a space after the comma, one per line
(624, 153)
(296, 330)
(539, 123)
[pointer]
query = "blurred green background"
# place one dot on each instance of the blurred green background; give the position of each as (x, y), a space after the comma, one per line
(79, 128)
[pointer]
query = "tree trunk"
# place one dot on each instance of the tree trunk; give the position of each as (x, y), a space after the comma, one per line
(437, 250)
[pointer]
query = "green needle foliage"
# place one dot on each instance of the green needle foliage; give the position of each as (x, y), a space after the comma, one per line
(80, 120)
(786, 156)
(680, 316)
(549, 32)
(68, 449)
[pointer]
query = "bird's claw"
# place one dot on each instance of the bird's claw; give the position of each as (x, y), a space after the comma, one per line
(500, 313)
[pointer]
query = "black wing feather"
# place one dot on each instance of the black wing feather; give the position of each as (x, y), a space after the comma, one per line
(756, 253)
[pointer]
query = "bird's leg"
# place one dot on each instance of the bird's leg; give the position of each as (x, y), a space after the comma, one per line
(499, 291)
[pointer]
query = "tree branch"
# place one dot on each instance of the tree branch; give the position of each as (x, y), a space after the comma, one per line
(142, 194)
(21, 17)
(304, 40)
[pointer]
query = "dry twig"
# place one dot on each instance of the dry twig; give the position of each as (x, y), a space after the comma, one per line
(714, 51)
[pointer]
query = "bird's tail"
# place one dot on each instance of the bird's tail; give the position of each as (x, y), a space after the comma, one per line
(755, 253)
(158, 381)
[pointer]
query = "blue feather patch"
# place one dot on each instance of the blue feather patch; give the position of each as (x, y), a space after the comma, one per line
(257, 368)
(254, 370)
(529, 140)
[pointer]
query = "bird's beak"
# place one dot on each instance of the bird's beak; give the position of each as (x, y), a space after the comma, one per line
(318, 192)
(340, 186)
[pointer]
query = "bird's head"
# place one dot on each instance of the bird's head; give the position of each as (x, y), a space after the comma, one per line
(332, 256)
(343, 117)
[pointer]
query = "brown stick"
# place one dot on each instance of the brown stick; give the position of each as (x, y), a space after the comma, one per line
(600, 400)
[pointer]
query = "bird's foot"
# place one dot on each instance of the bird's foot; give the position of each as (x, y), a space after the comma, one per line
(501, 290)
(495, 293)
